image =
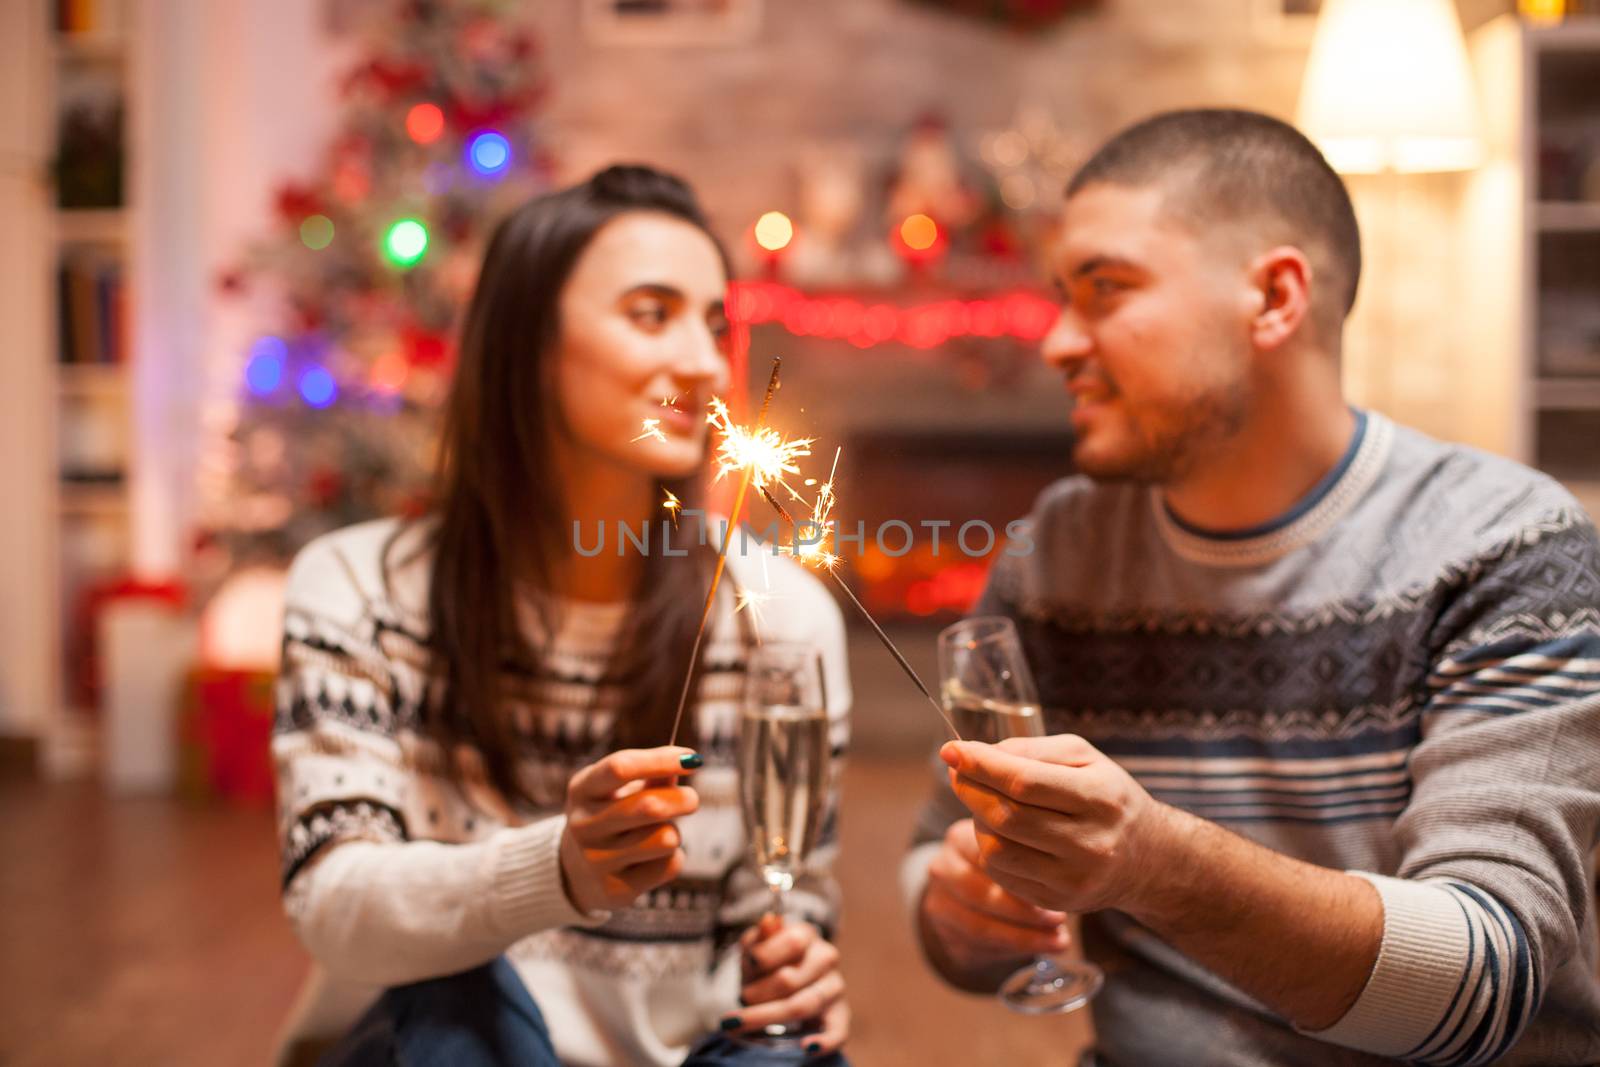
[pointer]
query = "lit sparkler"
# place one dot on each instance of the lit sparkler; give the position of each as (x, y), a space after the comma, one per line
(672, 506)
(758, 453)
(761, 451)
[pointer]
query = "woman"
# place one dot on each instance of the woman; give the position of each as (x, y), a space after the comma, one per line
(477, 811)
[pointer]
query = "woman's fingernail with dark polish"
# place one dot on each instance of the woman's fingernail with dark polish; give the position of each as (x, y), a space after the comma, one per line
(731, 1023)
(691, 761)
(813, 1048)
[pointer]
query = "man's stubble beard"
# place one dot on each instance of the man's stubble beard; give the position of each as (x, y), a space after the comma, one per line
(1169, 450)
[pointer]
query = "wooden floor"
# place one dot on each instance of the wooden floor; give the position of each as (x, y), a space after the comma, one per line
(147, 932)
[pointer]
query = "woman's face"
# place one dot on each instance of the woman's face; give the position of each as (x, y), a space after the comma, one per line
(643, 330)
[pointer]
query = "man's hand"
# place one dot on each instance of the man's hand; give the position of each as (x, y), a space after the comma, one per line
(1058, 823)
(976, 933)
(791, 974)
(620, 839)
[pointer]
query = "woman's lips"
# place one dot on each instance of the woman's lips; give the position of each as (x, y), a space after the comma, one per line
(677, 419)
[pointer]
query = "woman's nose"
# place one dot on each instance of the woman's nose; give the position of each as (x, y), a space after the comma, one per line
(702, 361)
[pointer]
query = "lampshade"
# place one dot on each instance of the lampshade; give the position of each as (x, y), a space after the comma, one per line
(1388, 87)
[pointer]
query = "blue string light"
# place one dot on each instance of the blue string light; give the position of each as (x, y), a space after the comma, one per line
(264, 372)
(489, 153)
(317, 387)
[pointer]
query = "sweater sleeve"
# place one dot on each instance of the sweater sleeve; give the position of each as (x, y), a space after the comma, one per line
(389, 914)
(1493, 886)
(371, 903)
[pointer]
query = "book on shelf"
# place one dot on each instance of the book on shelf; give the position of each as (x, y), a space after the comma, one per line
(88, 18)
(92, 303)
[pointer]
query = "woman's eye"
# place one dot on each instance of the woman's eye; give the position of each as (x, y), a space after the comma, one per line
(650, 314)
(1104, 287)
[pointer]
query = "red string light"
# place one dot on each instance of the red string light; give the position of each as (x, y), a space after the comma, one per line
(1022, 315)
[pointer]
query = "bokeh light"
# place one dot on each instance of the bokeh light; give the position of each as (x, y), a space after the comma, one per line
(316, 232)
(919, 232)
(264, 371)
(406, 243)
(425, 123)
(317, 387)
(774, 231)
(489, 153)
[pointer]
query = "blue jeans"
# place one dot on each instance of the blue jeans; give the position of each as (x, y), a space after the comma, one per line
(485, 1017)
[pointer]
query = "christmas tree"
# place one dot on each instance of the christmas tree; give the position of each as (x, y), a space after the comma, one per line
(371, 265)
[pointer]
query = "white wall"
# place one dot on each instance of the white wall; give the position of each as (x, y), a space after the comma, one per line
(239, 98)
(28, 621)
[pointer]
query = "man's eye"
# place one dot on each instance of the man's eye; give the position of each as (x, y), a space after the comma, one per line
(1104, 287)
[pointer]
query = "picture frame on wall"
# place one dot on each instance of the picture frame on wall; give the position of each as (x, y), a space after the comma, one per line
(671, 22)
(1291, 22)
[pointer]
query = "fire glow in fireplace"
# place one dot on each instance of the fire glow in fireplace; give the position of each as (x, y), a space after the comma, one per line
(908, 488)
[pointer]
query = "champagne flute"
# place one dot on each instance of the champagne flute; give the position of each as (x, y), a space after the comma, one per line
(989, 695)
(784, 767)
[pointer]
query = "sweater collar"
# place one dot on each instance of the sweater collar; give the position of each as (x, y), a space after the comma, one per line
(1306, 521)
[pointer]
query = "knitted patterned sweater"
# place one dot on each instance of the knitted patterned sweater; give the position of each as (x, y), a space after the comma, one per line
(1399, 678)
(392, 874)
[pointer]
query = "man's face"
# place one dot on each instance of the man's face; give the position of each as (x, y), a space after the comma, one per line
(1152, 336)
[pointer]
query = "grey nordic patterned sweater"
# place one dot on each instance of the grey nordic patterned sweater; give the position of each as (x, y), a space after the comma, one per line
(1399, 678)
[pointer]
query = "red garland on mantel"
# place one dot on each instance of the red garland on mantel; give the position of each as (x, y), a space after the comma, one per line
(1022, 315)
(1013, 14)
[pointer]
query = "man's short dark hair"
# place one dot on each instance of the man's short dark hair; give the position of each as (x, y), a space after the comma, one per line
(1225, 165)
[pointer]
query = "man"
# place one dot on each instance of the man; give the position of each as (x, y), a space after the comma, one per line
(1326, 693)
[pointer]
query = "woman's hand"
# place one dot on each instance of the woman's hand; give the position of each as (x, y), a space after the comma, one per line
(791, 974)
(620, 839)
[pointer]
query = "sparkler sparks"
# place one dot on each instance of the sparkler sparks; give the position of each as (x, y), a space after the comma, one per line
(762, 457)
(672, 506)
(766, 454)
(652, 428)
(752, 601)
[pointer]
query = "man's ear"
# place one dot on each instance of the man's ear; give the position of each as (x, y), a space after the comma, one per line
(1281, 281)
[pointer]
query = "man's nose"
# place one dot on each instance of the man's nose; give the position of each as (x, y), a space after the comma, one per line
(1067, 342)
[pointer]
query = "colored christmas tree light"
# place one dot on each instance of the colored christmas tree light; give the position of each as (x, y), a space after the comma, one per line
(406, 243)
(489, 153)
(425, 123)
(316, 232)
(371, 261)
(264, 372)
(318, 388)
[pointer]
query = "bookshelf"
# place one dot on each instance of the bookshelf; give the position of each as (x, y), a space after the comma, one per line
(1541, 103)
(90, 246)
(1561, 150)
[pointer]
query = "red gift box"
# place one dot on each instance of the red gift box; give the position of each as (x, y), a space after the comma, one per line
(226, 736)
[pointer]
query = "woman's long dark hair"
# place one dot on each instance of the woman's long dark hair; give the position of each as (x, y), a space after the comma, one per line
(498, 510)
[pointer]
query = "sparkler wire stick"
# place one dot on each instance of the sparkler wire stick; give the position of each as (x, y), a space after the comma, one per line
(895, 652)
(722, 560)
(867, 615)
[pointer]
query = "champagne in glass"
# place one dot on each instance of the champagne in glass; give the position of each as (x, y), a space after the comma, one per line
(784, 769)
(989, 695)
(989, 719)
